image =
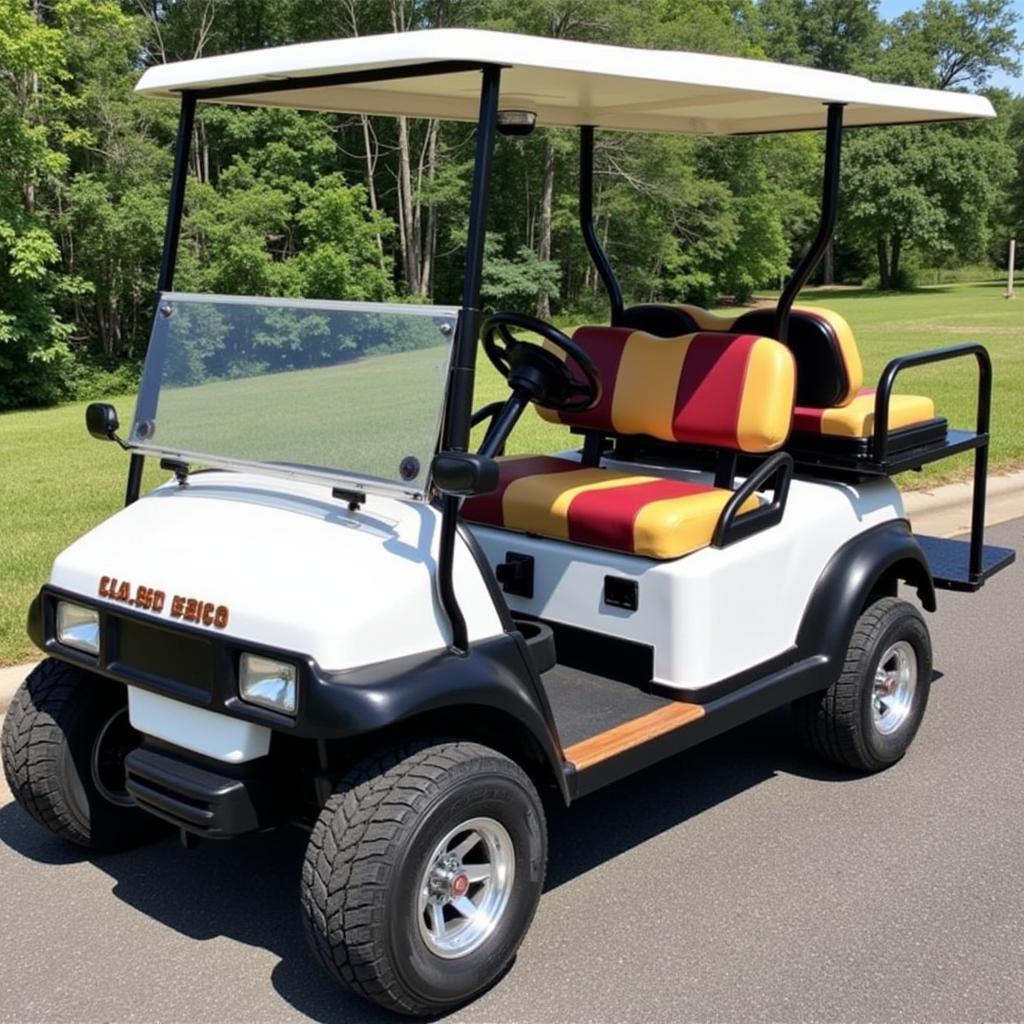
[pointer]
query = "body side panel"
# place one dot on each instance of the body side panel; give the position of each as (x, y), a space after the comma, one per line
(714, 613)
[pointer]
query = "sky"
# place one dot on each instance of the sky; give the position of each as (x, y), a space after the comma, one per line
(892, 8)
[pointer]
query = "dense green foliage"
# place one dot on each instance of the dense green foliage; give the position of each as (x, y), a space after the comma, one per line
(283, 203)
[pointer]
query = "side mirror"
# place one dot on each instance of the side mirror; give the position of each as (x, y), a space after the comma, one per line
(101, 421)
(464, 475)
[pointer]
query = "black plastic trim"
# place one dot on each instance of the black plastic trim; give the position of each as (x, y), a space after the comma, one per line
(204, 799)
(853, 572)
(495, 675)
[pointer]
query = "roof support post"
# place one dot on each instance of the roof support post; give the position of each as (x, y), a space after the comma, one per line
(826, 227)
(169, 258)
(590, 239)
(460, 385)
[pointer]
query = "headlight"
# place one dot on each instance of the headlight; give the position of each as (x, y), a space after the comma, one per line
(78, 627)
(266, 682)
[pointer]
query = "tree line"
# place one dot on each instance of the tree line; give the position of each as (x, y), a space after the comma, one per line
(331, 206)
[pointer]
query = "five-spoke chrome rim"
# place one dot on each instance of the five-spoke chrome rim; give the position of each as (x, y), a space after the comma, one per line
(893, 691)
(465, 887)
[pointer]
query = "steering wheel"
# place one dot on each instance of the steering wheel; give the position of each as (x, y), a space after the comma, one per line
(541, 375)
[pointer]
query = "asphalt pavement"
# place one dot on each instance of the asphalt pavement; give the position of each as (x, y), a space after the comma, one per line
(739, 881)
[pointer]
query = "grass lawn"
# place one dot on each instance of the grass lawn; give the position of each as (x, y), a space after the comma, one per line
(56, 482)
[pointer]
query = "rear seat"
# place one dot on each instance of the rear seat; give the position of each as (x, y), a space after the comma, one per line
(833, 409)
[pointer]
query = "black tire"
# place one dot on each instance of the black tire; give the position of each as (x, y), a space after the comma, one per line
(368, 854)
(838, 724)
(62, 716)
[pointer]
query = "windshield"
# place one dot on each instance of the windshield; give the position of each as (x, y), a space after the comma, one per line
(347, 392)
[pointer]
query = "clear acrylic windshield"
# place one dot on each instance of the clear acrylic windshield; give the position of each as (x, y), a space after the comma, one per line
(347, 392)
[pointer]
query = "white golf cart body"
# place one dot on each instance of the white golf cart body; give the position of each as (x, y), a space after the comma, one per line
(349, 587)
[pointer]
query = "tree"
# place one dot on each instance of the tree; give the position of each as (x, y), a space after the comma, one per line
(37, 106)
(927, 189)
(835, 35)
(953, 44)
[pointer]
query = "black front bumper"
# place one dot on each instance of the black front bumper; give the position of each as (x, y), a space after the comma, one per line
(204, 800)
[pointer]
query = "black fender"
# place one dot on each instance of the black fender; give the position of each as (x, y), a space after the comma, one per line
(494, 679)
(869, 563)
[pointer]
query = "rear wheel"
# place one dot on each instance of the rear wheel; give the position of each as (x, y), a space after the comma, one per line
(868, 718)
(65, 738)
(423, 873)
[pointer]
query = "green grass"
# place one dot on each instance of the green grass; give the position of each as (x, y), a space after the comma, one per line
(56, 482)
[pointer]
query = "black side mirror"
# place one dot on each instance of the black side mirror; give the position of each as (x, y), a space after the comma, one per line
(101, 421)
(463, 475)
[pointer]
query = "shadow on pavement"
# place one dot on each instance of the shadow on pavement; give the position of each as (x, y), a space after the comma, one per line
(247, 890)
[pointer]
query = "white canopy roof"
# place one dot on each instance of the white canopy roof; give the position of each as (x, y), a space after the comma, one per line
(566, 83)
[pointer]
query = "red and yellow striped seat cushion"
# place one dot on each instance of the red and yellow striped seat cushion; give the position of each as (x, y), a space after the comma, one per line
(829, 370)
(731, 391)
(627, 512)
(857, 419)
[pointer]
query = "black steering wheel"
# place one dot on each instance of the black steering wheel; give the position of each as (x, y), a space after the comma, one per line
(539, 374)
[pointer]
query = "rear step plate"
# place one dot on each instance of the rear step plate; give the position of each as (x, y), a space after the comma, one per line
(948, 559)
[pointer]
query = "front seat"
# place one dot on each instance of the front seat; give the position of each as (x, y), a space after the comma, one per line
(724, 391)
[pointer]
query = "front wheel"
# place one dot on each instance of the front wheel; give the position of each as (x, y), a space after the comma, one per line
(868, 718)
(65, 738)
(423, 873)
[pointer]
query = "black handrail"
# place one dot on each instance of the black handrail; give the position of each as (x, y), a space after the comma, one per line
(733, 525)
(590, 239)
(880, 438)
(826, 227)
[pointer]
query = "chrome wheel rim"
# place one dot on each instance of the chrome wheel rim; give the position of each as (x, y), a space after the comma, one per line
(465, 887)
(113, 743)
(893, 691)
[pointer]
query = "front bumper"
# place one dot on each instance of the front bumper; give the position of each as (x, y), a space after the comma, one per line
(200, 667)
(202, 799)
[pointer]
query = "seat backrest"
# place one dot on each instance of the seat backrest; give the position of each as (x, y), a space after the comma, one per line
(720, 390)
(828, 367)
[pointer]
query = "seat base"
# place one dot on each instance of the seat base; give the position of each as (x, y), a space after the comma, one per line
(919, 435)
(637, 514)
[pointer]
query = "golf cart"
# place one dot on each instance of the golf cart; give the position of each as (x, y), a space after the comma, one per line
(334, 614)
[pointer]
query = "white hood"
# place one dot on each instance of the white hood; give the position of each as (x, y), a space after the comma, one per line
(292, 565)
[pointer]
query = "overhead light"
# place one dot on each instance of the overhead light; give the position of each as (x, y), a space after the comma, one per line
(516, 122)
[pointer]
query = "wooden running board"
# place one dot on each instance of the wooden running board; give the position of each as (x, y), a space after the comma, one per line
(633, 733)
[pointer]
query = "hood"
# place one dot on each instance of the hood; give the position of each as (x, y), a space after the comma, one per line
(281, 563)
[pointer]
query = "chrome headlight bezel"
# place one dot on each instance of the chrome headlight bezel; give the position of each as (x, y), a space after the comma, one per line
(268, 683)
(77, 626)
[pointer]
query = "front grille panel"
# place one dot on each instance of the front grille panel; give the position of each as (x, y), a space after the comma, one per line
(174, 661)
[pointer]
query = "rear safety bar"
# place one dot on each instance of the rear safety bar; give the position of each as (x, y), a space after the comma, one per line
(980, 564)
